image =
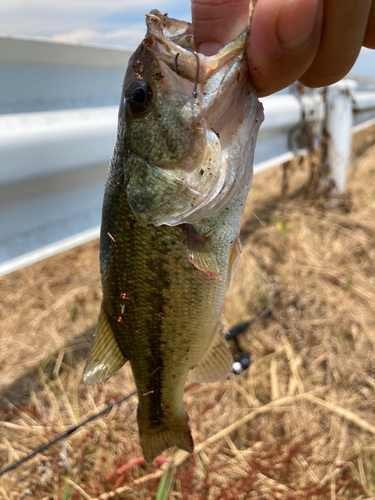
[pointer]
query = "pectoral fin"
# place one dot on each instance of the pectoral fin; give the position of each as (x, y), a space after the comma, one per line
(105, 357)
(217, 362)
(199, 252)
(234, 259)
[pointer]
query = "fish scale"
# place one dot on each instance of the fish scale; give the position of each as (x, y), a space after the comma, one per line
(170, 312)
(166, 260)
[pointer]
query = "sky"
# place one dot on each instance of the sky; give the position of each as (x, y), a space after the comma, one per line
(118, 23)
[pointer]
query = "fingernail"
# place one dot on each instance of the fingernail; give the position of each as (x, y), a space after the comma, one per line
(209, 48)
(296, 22)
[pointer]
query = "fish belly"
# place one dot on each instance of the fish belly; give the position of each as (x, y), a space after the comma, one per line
(162, 310)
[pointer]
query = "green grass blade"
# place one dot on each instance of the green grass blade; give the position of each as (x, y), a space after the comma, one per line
(166, 482)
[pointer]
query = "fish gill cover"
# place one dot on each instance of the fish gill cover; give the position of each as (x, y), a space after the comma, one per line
(173, 204)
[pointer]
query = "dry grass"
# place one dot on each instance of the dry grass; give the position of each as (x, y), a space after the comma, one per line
(299, 424)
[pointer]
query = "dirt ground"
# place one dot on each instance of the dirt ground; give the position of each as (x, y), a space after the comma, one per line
(298, 424)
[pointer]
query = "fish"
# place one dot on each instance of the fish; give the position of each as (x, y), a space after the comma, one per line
(173, 203)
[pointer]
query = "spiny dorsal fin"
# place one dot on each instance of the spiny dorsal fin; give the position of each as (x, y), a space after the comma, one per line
(217, 361)
(199, 252)
(105, 357)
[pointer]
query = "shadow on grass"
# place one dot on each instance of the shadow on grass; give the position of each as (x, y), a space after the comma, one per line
(18, 393)
(266, 209)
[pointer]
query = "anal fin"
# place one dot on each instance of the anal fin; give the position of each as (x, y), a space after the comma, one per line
(105, 357)
(217, 362)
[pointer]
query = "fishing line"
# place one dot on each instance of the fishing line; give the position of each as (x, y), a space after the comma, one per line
(175, 62)
(295, 326)
(70, 431)
(195, 92)
(65, 434)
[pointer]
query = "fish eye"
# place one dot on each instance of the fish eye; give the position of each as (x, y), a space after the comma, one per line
(138, 97)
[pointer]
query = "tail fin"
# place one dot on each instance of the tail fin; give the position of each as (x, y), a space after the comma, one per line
(156, 439)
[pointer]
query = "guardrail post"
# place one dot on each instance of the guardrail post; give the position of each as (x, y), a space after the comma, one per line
(339, 122)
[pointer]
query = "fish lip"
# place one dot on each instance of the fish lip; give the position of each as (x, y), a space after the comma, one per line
(154, 194)
(161, 40)
(169, 38)
(158, 25)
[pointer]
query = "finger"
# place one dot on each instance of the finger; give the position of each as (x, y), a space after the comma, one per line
(283, 42)
(218, 22)
(343, 32)
(369, 40)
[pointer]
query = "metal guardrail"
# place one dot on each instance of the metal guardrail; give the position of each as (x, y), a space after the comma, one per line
(363, 109)
(58, 118)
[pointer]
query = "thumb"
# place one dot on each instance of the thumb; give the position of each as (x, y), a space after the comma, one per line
(283, 40)
(218, 22)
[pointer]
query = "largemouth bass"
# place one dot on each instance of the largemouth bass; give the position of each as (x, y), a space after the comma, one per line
(173, 203)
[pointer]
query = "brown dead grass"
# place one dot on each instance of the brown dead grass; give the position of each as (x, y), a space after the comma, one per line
(299, 424)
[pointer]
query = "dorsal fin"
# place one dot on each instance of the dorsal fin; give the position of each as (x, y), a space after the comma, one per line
(105, 357)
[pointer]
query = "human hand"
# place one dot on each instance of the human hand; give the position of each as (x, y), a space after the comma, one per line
(313, 41)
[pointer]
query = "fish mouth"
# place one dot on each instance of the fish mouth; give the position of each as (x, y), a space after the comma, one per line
(166, 28)
(173, 43)
(222, 116)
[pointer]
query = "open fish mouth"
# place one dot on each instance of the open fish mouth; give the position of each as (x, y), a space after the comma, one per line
(191, 122)
(183, 156)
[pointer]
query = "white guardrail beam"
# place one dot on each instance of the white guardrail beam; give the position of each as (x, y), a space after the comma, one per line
(363, 110)
(58, 119)
(33, 145)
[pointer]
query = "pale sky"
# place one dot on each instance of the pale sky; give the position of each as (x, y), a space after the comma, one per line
(118, 23)
(101, 22)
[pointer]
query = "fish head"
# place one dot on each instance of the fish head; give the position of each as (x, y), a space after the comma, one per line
(188, 125)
